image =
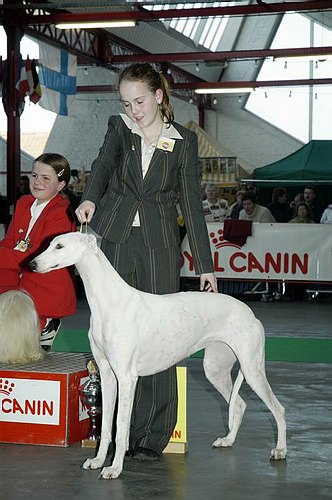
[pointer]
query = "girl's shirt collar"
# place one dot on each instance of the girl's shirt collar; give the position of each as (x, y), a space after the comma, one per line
(169, 132)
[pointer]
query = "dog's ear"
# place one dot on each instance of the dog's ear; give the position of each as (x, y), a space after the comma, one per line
(92, 243)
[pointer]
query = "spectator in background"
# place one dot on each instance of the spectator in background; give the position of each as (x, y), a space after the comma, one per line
(24, 185)
(297, 198)
(215, 208)
(297, 291)
(254, 212)
(73, 177)
(326, 218)
(302, 214)
(278, 205)
(203, 187)
(235, 209)
(315, 207)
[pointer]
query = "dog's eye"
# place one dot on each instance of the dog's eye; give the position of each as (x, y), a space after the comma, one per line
(59, 246)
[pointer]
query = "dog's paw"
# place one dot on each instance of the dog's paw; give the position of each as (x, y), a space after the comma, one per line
(222, 443)
(110, 472)
(92, 463)
(278, 454)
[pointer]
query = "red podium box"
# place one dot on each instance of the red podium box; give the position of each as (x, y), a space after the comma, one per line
(40, 402)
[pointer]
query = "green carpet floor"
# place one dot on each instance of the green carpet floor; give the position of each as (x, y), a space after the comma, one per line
(276, 348)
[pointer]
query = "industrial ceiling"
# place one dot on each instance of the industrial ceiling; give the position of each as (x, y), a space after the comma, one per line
(153, 41)
(244, 44)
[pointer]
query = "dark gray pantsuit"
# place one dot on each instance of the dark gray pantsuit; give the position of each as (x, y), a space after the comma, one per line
(155, 271)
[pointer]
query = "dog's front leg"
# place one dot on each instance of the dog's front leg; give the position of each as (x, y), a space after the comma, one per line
(126, 392)
(109, 393)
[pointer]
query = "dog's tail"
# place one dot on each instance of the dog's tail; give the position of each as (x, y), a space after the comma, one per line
(235, 392)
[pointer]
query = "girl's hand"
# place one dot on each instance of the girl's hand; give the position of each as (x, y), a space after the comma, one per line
(208, 282)
(85, 211)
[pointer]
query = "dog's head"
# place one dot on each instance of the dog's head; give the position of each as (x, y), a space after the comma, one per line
(64, 250)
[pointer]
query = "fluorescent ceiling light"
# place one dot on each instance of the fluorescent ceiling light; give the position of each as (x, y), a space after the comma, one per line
(307, 57)
(225, 90)
(96, 24)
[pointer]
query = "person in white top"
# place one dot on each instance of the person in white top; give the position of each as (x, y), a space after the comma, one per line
(326, 218)
(254, 212)
(215, 208)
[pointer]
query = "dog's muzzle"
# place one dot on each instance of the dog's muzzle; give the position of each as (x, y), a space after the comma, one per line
(33, 265)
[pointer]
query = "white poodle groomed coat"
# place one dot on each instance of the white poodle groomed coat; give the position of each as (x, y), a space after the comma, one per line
(133, 333)
(19, 328)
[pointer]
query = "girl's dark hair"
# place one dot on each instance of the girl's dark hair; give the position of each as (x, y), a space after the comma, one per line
(145, 73)
(59, 164)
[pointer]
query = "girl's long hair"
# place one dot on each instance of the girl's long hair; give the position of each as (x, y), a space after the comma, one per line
(154, 80)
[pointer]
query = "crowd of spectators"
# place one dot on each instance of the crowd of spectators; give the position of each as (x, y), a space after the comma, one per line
(303, 208)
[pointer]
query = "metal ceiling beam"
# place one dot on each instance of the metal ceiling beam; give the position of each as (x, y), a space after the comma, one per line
(254, 84)
(97, 89)
(23, 18)
(220, 56)
(102, 47)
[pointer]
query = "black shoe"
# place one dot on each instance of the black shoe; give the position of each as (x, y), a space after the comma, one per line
(49, 333)
(141, 453)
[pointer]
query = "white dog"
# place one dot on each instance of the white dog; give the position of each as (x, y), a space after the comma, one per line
(134, 334)
(19, 328)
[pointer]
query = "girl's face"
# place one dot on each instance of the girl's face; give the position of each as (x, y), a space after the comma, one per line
(302, 211)
(44, 182)
(141, 105)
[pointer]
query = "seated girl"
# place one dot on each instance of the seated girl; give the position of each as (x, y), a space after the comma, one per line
(38, 218)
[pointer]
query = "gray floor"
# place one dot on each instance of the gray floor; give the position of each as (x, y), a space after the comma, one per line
(242, 472)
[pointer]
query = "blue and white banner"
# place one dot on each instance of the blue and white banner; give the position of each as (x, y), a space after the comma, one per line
(57, 75)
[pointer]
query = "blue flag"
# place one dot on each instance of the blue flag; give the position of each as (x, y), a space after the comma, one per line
(57, 76)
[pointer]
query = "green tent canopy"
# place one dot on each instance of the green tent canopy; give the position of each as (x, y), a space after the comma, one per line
(312, 162)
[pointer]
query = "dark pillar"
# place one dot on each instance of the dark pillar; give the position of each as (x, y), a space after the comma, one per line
(14, 35)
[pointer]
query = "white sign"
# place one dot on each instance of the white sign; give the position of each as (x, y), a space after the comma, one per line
(291, 252)
(29, 401)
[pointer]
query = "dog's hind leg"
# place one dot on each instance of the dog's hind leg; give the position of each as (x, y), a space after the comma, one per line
(256, 378)
(109, 392)
(218, 362)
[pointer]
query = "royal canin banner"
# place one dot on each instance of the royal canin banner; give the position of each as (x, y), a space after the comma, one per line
(290, 252)
(29, 401)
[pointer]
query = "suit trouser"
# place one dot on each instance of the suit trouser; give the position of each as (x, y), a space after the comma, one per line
(154, 412)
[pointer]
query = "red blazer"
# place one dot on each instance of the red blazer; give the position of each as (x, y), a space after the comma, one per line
(54, 293)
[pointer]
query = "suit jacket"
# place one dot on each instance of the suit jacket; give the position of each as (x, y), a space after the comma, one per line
(53, 293)
(118, 189)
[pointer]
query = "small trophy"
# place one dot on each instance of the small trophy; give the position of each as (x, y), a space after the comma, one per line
(90, 394)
